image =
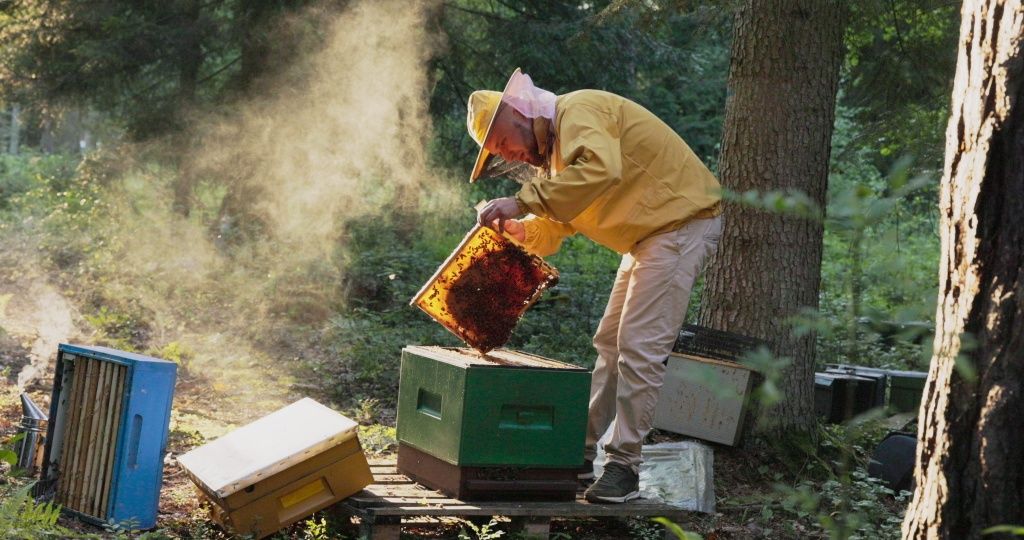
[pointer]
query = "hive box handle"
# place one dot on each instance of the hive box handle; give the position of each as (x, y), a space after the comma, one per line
(526, 417)
(429, 403)
(136, 436)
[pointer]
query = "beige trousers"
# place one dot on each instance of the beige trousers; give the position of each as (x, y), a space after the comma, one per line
(645, 312)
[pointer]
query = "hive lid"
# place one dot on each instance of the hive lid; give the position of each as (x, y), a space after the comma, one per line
(267, 446)
(712, 361)
(498, 358)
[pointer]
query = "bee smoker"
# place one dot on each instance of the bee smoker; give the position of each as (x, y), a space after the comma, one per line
(33, 430)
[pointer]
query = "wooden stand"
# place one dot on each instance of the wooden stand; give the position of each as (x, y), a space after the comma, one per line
(382, 506)
(487, 483)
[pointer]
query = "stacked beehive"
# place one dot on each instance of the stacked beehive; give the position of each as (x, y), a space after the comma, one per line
(505, 425)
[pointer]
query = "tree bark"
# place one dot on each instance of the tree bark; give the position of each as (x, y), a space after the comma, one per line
(970, 457)
(253, 17)
(190, 60)
(778, 127)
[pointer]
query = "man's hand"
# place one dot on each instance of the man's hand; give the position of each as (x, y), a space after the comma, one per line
(496, 211)
(513, 228)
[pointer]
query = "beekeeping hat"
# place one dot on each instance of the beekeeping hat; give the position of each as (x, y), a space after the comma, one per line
(520, 94)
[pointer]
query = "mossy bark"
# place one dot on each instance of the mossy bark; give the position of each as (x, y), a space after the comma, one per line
(778, 129)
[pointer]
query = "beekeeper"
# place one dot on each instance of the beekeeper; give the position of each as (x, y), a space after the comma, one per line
(610, 170)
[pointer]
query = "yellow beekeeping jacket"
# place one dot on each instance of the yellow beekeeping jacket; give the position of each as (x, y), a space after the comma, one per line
(618, 175)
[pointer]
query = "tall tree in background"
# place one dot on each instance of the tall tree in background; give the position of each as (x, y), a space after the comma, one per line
(970, 471)
(783, 80)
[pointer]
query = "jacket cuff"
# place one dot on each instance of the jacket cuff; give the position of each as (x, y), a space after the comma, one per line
(523, 209)
(528, 202)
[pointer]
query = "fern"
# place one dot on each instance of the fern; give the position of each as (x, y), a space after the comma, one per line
(22, 517)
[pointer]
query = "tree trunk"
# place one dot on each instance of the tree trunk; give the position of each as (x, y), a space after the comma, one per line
(970, 451)
(786, 56)
(253, 17)
(189, 62)
(13, 140)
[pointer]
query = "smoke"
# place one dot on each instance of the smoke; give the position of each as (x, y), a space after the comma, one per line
(339, 136)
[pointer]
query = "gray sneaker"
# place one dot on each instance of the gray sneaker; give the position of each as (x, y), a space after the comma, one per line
(618, 484)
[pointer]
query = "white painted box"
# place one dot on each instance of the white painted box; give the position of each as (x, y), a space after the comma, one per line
(704, 398)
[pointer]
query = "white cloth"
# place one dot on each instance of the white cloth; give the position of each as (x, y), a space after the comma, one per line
(530, 101)
(679, 474)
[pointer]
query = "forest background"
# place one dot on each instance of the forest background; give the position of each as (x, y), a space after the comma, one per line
(263, 185)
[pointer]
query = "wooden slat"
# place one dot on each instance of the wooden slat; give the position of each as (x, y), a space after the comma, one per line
(82, 436)
(405, 492)
(387, 479)
(89, 441)
(98, 452)
(117, 394)
(100, 455)
(573, 510)
(403, 500)
(383, 502)
(85, 497)
(70, 430)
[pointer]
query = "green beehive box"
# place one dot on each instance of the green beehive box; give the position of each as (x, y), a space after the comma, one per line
(505, 408)
(905, 390)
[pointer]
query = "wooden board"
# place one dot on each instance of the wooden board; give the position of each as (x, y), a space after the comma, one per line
(394, 495)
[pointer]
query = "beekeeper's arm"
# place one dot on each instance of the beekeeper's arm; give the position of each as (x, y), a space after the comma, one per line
(540, 236)
(589, 146)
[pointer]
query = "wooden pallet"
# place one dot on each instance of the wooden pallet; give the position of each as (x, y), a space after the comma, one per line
(393, 497)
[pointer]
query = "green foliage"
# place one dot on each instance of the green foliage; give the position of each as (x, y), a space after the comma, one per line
(769, 369)
(880, 257)
(125, 330)
(23, 518)
(480, 532)
(20, 173)
(788, 202)
(670, 57)
(378, 439)
(176, 352)
(7, 453)
(561, 324)
(676, 529)
(145, 64)
(316, 529)
(1015, 530)
(898, 75)
(854, 507)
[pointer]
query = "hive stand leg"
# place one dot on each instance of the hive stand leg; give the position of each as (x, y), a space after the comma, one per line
(380, 528)
(532, 527)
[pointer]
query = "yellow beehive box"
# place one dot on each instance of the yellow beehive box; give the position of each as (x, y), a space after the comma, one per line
(279, 469)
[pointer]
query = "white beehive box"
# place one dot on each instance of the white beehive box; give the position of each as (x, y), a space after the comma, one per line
(704, 398)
